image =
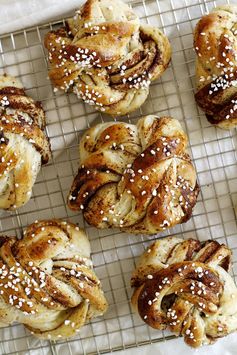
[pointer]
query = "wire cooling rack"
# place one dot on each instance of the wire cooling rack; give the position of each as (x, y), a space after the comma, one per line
(114, 253)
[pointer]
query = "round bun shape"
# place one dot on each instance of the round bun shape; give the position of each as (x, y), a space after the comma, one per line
(135, 177)
(24, 146)
(215, 42)
(184, 285)
(107, 57)
(47, 281)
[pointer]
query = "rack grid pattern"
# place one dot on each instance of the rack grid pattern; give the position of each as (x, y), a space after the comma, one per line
(114, 253)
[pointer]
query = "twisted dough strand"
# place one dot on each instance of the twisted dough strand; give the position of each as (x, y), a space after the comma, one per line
(23, 143)
(136, 177)
(185, 285)
(216, 45)
(47, 282)
(106, 57)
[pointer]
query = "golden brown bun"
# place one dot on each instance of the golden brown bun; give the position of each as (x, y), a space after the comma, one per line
(185, 286)
(47, 280)
(23, 143)
(216, 47)
(136, 177)
(106, 57)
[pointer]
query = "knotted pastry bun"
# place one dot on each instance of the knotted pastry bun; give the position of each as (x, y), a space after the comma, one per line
(136, 177)
(216, 66)
(47, 281)
(23, 143)
(106, 57)
(185, 286)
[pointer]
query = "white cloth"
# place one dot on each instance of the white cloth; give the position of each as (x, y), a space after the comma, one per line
(225, 346)
(18, 14)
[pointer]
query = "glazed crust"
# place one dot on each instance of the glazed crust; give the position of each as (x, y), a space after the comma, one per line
(136, 177)
(106, 57)
(185, 286)
(215, 45)
(24, 145)
(47, 280)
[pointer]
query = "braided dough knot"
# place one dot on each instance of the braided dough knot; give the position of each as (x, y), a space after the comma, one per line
(136, 177)
(107, 57)
(23, 143)
(47, 280)
(216, 47)
(185, 286)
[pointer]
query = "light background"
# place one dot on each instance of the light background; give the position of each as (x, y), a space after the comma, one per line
(114, 253)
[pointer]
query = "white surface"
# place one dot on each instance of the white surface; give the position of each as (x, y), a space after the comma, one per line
(213, 150)
(226, 346)
(16, 14)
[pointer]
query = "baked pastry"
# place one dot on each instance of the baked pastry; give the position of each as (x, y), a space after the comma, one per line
(216, 74)
(107, 57)
(184, 285)
(47, 281)
(23, 144)
(136, 177)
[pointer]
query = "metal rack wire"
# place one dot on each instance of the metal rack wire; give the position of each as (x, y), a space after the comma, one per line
(114, 253)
